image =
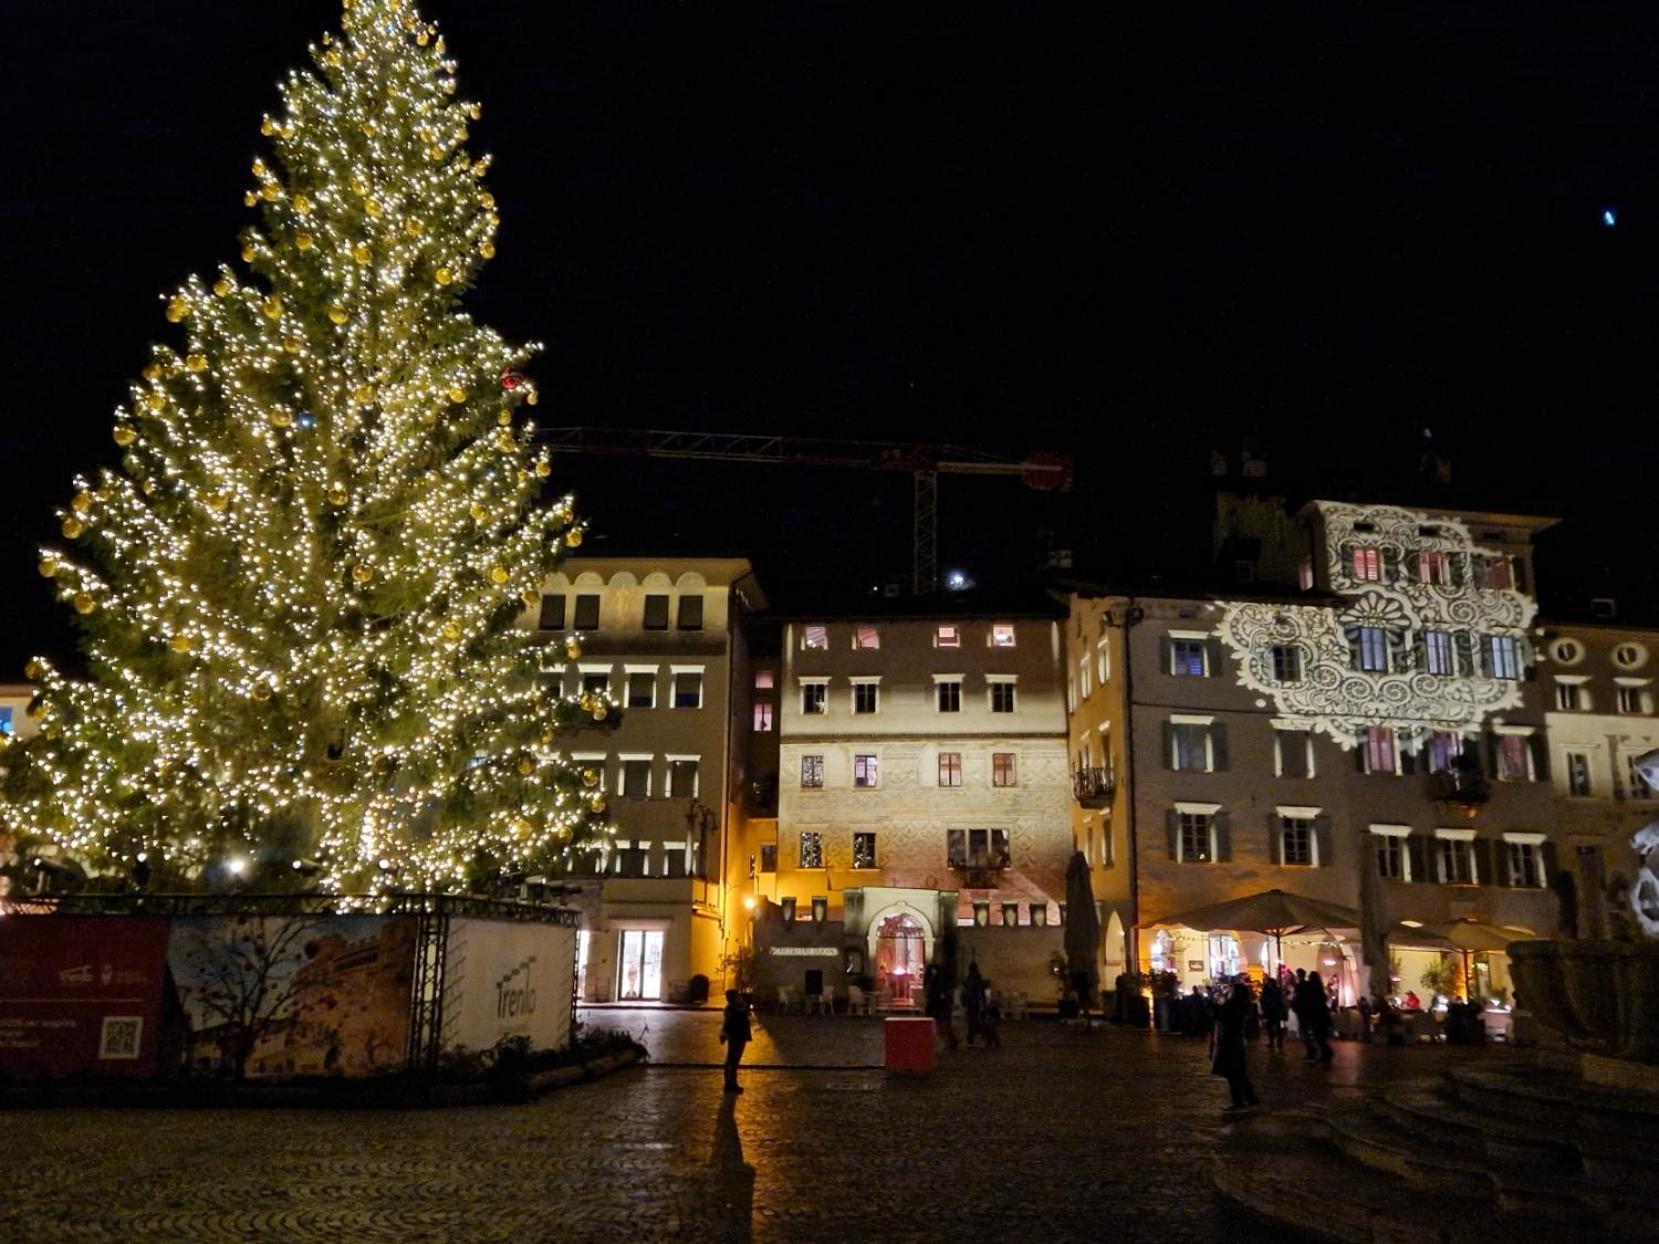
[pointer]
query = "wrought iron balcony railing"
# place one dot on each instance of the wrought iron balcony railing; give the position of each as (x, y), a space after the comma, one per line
(1093, 788)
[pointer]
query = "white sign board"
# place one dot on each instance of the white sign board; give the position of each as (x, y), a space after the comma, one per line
(507, 978)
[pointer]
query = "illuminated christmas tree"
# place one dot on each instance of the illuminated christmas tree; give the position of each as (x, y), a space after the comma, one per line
(299, 592)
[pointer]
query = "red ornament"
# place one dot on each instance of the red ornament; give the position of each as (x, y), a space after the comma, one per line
(511, 380)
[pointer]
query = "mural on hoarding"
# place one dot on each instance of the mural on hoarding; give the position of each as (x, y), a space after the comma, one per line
(278, 996)
(504, 979)
(85, 994)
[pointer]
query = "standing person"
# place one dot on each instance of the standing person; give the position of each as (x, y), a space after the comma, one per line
(1299, 1007)
(734, 1035)
(990, 1018)
(1273, 1014)
(938, 993)
(1228, 1046)
(1317, 1015)
(973, 1000)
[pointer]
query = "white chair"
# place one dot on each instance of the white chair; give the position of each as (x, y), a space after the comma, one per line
(818, 1004)
(858, 1003)
(784, 1000)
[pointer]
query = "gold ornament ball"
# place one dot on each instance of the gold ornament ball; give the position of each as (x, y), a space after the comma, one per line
(413, 227)
(124, 436)
(249, 199)
(434, 154)
(533, 397)
(177, 309)
(457, 395)
(281, 417)
(272, 307)
(598, 804)
(452, 632)
(530, 598)
(221, 287)
(261, 691)
(195, 362)
(573, 538)
(151, 371)
(270, 192)
(304, 241)
(153, 401)
(499, 575)
(478, 512)
(34, 669)
(73, 527)
(522, 827)
(573, 648)
(267, 126)
(475, 111)
(337, 314)
(590, 776)
(149, 486)
(364, 393)
(217, 502)
(372, 206)
(180, 643)
(360, 253)
(338, 495)
(526, 766)
(302, 205)
(249, 250)
(48, 570)
(487, 250)
(600, 712)
(293, 343)
(82, 501)
(444, 276)
(544, 468)
(362, 573)
(84, 604)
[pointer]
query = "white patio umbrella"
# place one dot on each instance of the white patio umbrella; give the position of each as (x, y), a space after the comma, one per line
(1273, 912)
(1466, 936)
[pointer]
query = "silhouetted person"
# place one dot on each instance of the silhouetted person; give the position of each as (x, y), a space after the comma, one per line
(1316, 1018)
(734, 1034)
(937, 991)
(1273, 1014)
(973, 1000)
(1227, 1045)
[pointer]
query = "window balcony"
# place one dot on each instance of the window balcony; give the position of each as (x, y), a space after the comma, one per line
(1466, 788)
(1093, 788)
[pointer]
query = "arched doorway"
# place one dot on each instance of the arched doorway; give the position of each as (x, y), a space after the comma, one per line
(900, 956)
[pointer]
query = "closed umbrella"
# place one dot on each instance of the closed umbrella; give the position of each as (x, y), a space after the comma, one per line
(1082, 923)
(1273, 912)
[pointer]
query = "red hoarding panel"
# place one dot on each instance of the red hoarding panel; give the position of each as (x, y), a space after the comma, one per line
(81, 994)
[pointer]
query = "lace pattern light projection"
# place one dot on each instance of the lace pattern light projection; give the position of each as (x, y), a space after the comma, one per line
(1428, 584)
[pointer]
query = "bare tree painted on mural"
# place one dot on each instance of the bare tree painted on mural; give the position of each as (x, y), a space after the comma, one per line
(244, 970)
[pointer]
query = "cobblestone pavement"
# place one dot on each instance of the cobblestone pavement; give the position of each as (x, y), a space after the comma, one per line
(1060, 1135)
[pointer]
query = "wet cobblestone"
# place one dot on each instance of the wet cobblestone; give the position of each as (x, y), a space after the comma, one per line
(1060, 1135)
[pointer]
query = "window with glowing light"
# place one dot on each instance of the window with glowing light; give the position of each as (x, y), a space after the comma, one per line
(1370, 648)
(764, 680)
(864, 849)
(866, 771)
(812, 849)
(1002, 635)
(812, 772)
(815, 637)
(866, 637)
(1005, 769)
(1434, 566)
(1503, 656)
(1367, 563)
(763, 718)
(947, 637)
(1514, 757)
(1188, 658)
(1438, 653)
(1378, 752)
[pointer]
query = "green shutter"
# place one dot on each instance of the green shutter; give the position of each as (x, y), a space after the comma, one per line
(1172, 820)
(1223, 824)
(1322, 839)
(1218, 746)
(1275, 844)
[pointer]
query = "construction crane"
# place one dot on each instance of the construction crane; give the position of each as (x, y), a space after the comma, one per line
(925, 463)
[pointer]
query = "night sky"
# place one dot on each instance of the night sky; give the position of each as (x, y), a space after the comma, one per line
(1131, 236)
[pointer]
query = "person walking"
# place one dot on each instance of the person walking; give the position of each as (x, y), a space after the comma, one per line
(1228, 1046)
(734, 1035)
(1317, 1017)
(973, 1000)
(1273, 1014)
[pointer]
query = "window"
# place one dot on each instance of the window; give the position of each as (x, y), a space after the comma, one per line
(596, 682)
(1379, 750)
(1188, 657)
(1444, 747)
(864, 849)
(1190, 746)
(1496, 573)
(812, 849)
(763, 718)
(552, 617)
(1393, 860)
(1631, 699)
(814, 697)
(1569, 696)
(1439, 655)
(815, 637)
(691, 612)
(812, 772)
(682, 777)
(1629, 656)
(977, 848)
(656, 613)
(765, 680)
(866, 771)
(1637, 785)
(1194, 841)
(1103, 663)
(866, 637)
(1434, 567)
(1503, 656)
(636, 778)
(1004, 769)
(1514, 758)
(642, 689)
(5, 719)
(1295, 753)
(865, 696)
(950, 695)
(1367, 563)
(1296, 842)
(947, 637)
(1002, 697)
(1455, 859)
(1371, 649)
(1287, 663)
(688, 689)
(1526, 863)
(950, 768)
(1578, 773)
(1002, 635)
(1568, 651)
(1083, 679)
(587, 612)
(768, 857)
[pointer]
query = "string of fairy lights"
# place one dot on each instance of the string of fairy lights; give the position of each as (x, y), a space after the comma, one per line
(299, 593)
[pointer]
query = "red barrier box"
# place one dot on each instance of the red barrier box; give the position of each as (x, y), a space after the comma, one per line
(909, 1045)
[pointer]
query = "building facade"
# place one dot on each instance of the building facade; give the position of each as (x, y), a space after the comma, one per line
(922, 798)
(1371, 735)
(663, 638)
(1599, 697)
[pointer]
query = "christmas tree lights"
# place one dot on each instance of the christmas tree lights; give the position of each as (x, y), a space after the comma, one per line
(299, 593)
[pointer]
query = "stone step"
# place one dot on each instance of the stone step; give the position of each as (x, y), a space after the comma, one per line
(1453, 1165)
(1558, 1103)
(1425, 1112)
